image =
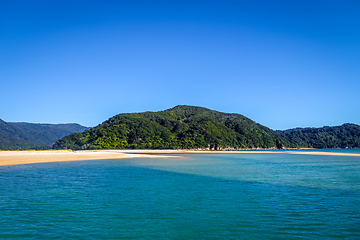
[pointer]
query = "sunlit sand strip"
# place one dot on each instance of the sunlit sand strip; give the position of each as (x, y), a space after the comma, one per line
(151, 151)
(327, 153)
(26, 157)
(233, 151)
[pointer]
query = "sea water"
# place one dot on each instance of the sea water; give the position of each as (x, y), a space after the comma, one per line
(263, 195)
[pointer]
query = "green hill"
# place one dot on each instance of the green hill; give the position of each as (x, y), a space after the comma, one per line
(344, 136)
(24, 136)
(181, 127)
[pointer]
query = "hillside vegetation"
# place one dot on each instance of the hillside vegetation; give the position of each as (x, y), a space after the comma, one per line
(181, 127)
(344, 136)
(24, 136)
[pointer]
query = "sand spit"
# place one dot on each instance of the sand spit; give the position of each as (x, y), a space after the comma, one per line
(326, 153)
(234, 151)
(26, 157)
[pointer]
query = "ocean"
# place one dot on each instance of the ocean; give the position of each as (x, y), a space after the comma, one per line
(263, 195)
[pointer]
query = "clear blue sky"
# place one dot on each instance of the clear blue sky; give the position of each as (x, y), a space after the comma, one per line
(283, 64)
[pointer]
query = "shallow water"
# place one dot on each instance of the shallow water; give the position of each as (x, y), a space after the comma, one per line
(200, 196)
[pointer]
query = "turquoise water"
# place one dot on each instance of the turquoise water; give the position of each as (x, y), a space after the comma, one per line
(198, 196)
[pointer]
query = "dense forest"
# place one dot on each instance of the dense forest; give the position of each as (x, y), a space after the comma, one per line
(181, 127)
(344, 136)
(24, 136)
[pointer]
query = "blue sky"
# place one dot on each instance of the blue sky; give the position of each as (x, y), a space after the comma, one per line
(283, 64)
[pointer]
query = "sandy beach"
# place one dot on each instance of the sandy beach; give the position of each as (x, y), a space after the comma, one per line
(231, 151)
(26, 157)
(326, 153)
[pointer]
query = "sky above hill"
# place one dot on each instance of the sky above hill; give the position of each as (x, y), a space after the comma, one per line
(284, 64)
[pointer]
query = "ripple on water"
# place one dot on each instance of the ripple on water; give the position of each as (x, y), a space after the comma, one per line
(242, 196)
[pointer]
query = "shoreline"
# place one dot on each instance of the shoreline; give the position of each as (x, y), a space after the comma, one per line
(326, 153)
(45, 156)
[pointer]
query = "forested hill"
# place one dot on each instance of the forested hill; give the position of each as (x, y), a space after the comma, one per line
(24, 136)
(181, 127)
(344, 136)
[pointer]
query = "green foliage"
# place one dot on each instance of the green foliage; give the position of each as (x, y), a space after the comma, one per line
(182, 127)
(72, 141)
(345, 136)
(188, 127)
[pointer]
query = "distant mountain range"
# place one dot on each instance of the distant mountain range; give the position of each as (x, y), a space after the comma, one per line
(190, 127)
(24, 136)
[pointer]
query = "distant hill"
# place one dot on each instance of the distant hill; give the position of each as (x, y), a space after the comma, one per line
(181, 127)
(344, 136)
(24, 136)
